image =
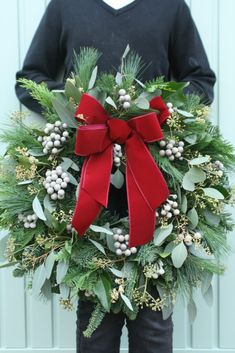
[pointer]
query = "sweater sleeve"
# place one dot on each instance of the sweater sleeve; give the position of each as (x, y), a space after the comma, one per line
(44, 58)
(188, 58)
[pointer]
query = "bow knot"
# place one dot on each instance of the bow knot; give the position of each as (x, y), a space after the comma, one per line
(119, 130)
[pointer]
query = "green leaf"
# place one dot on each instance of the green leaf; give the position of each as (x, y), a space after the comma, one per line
(213, 193)
(3, 244)
(61, 270)
(38, 209)
(68, 163)
(93, 78)
(110, 242)
(110, 101)
(212, 219)
(179, 255)
(170, 246)
(206, 282)
(200, 160)
(126, 51)
(192, 311)
(36, 152)
(142, 103)
(161, 234)
(191, 139)
(117, 179)
(184, 204)
(187, 183)
(39, 278)
(102, 290)
(64, 113)
(71, 91)
(116, 272)
(48, 204)
(197, 175)
(64, 290)
(98, 245)
(185, 114)
(49, 263)
(127, 301)
(193, 217)
(99, 229)
(72, 180)
(200, 252)
(118, 78)
(25, 182)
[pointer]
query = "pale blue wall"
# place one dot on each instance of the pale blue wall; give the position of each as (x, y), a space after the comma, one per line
(28, 325)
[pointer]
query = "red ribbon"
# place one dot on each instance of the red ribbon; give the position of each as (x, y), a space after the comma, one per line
(146, 186)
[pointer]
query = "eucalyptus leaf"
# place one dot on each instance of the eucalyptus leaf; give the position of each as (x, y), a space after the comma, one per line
(118, 78)
(206, 282)
(187, 183)
(38, 209)
(61, 271)
(212, 219)
(110, 101)
(197, 175)
(142, 103)
(193, 217)
(98, 245)
(110, 243)
(127, 301)
(184, 204)
(36, 152)
(179, 255)
(39, 278)
(200, 252)
(184, 113)
(64, 290)
(169, 248)
(117, 179)
(126, 51)
(161, 234)
(49, 204)
(102, 290)
(191, 139)
(25, 182)
(200, 160)
(72, 180)
(140, 83)
(213, 193)
(49, 263)
(3, 245)
(65, 114)
(93, 78)
(99, 229)
(116, 272)
(68, 163)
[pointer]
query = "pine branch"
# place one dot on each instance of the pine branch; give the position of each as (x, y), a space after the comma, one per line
(95, 319)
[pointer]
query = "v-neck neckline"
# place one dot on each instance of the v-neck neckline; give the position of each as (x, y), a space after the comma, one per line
(116, 12)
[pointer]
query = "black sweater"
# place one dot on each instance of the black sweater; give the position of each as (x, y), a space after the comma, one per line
(162, 32)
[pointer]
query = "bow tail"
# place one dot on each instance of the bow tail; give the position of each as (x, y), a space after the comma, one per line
(141, 216)
(94, 190)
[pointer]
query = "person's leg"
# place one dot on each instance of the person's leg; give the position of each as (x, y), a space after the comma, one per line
(149, 333)
(106, 338)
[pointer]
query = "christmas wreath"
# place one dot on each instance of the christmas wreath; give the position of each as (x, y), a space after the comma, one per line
(107, 129)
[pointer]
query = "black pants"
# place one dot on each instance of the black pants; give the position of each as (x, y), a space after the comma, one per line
(148, 333)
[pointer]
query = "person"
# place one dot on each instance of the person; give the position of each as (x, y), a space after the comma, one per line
(164, 34)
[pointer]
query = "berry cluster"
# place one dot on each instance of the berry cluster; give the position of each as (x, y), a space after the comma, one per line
(117, 154)
(171, 108)
(124, 98)
(29, 220)
(169, 208)
(55, 183)
(56, 136)
(121, 243)
(158, 269)
(188, 238)
(172, 149)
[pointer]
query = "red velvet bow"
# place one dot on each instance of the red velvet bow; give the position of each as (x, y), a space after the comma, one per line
(146, 187)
